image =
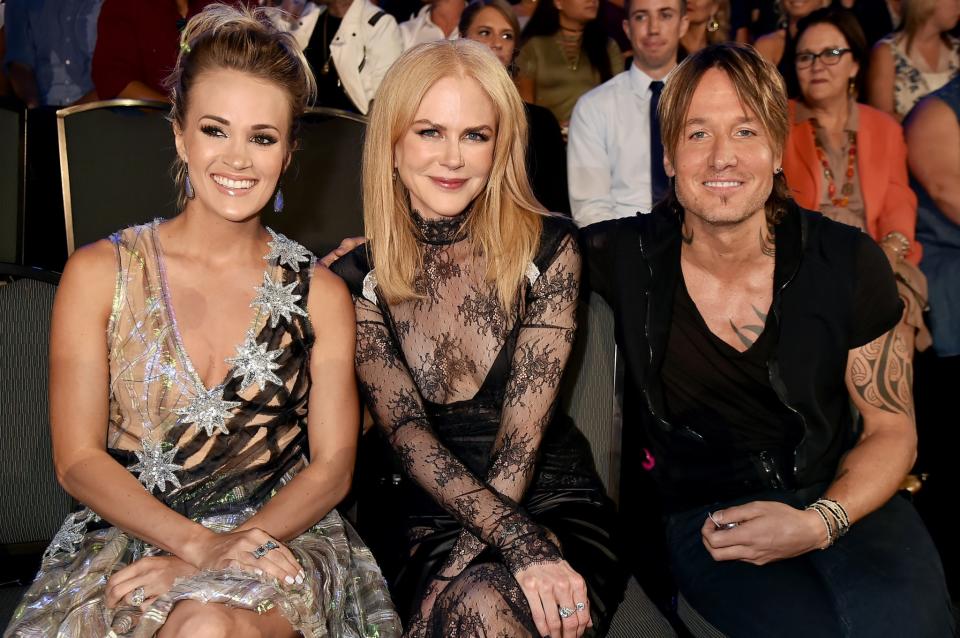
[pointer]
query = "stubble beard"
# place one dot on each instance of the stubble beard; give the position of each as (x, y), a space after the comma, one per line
(703, 210)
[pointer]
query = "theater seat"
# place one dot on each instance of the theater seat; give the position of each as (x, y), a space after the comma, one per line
(34, 505)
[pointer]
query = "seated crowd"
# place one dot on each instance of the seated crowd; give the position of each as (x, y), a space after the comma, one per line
(776, 230)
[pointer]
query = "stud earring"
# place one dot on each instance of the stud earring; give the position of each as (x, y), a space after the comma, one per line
(713, 26)
(278, 201)
(395, 175)
(187, 186)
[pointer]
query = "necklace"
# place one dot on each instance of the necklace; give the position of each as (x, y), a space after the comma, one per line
(570, 48)
(326, 63)
(847, 189)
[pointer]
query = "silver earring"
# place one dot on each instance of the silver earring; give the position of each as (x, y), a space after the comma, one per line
(278, 201)
(395, 175)
(187, 186)
(778, 171)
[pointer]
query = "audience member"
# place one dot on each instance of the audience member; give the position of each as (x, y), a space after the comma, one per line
(615, 157)
(933, 143)
(709, 24)
(137, 44)
(493, 23)
(877, 18)
(466, 299)
(611, 15)
(201, 515)
(523, 10)
(564, 52)
(748, 325)
(349, 44)
(437, 20)
(849, 161)
(50, 50)
(780, 45)
(918, 58)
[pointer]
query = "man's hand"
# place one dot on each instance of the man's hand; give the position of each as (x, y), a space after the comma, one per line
(345, 246)
(766, 531)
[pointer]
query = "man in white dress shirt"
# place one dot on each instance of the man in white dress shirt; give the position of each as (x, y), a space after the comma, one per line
(437, 20)
(614, 163)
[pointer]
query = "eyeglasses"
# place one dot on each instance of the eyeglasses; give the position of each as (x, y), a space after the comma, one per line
(827, 56)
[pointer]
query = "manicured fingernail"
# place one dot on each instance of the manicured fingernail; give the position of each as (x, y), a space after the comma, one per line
(258, 572)
(289, 580)
(299, 579)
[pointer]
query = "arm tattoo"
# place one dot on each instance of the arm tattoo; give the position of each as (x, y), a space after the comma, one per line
(882, 374)
(749, 333)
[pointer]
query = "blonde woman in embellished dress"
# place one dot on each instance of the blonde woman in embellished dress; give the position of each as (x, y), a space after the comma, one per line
(185, 432)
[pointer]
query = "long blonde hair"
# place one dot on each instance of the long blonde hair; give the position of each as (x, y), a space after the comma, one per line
(504, 222)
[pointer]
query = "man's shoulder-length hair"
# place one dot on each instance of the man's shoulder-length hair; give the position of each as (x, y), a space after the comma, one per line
(760, 88)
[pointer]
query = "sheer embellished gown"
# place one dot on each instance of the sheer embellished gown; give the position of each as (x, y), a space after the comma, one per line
(488, 479)
(215, 455)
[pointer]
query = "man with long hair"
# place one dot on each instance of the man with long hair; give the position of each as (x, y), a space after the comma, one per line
(749, 326)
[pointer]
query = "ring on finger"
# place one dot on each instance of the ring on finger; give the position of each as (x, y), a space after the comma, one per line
(262, 550)
(566, 612)
(137, 597)
(581, 606)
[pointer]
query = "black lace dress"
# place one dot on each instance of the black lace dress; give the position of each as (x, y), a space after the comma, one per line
(480, 478)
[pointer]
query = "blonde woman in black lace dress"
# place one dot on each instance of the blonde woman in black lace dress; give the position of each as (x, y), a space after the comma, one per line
(185, 358)
(466, 298)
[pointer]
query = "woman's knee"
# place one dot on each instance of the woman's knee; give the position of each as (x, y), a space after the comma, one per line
(191, 618)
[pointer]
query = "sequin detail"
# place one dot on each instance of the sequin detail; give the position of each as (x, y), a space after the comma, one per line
(370, 286)
(208, 411)
(156, 467)
(278, 300)
(255, 364)
(70, 533)
(287, 252)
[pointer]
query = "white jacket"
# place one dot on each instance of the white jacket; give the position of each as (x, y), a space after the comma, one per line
(366, 44)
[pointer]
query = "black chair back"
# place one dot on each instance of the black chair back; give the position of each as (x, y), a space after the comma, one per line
(12, 175)
(321, 189)
(116, 158)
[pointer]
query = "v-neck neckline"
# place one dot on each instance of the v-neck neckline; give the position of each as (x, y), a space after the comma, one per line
(714, 337)
(179, 344)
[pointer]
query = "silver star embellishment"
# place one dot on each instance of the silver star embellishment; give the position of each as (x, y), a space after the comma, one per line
(286, 251)
(255, 364)
(208, 411)
(70, 533)
(155, 466)
(278, 299)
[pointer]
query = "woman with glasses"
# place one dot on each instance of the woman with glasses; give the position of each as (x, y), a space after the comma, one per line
(848, 160)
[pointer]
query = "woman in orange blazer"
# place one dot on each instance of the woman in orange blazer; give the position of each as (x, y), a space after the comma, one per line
(848, 160)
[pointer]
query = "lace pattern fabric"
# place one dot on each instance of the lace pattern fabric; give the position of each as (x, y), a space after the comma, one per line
(455, 350)
(215, 455)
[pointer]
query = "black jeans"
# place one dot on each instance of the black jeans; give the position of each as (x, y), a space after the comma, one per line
(884, 578)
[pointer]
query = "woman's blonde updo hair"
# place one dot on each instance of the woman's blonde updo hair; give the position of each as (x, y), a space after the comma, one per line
(504, 222)
(244, 40)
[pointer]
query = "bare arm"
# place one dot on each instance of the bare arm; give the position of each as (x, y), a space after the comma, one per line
(334, 417)
(137, 90)
(933, 154)
(880, 79)
(24, 84)
(79, 409)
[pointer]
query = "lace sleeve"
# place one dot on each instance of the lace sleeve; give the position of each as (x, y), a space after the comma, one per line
(543, 347)
(395, 403)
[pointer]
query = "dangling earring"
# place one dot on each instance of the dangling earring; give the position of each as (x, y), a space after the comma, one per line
(278, 201)
(187, 186)
(713, 26)
(852, 88)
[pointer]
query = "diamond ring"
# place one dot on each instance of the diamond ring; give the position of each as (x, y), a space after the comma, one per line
(261, 551)
(566, 612)
(137, 597)
(581, 606)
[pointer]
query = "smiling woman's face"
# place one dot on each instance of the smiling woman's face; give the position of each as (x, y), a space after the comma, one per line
(444, 158)
(234, 142)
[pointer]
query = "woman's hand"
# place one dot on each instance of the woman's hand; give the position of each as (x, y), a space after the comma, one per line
(155, 574)
(550, 587)
(249, 550)
(764, 532)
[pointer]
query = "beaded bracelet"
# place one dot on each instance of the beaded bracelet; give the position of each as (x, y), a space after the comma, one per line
(837, 513)
(903, 241)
